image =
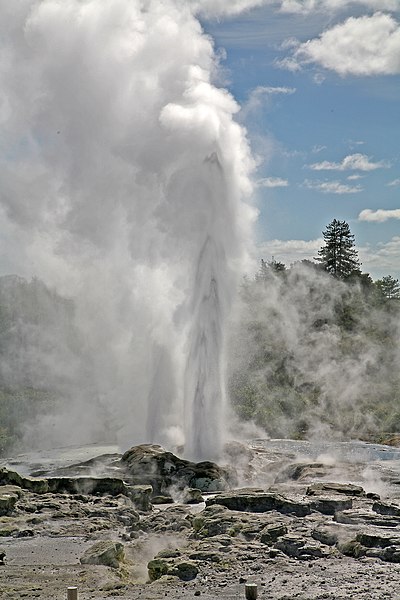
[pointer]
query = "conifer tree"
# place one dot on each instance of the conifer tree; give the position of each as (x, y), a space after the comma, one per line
(338, 256)
(389, 287)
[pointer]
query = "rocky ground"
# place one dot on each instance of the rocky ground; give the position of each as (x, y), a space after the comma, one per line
(148, 525)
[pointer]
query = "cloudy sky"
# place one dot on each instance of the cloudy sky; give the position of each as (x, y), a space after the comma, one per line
(319, 86)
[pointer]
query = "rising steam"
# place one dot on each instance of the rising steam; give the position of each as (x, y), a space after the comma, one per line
(124, 180)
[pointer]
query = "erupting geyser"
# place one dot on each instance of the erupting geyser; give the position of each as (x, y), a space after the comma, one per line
(124, 181)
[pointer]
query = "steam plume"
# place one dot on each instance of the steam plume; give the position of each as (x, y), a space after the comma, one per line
(124, 179)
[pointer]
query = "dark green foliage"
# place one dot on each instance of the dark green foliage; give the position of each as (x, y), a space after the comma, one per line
(338, 256)
(316, 354)
(389, 287)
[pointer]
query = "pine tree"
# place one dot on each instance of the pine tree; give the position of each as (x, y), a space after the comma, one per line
(389, 287)
(338, 256)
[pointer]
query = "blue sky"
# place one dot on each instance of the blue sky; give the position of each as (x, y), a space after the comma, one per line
(319, 86)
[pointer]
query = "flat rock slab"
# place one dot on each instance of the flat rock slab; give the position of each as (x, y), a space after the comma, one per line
(259, 502)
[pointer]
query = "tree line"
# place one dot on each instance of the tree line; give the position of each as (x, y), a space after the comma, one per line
(314, 346)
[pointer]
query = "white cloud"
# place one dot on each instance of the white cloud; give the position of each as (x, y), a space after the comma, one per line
(332, 187)
(272, 182)
(379, 216)
(215, 8)
(394, 183)
(383, 259)
(317, 149)
(359, 162)
(260, 96)
(308, 6)
(367, 45)
(289, 251)
(354, 177)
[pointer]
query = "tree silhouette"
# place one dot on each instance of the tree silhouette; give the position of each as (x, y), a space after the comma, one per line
(338, 256)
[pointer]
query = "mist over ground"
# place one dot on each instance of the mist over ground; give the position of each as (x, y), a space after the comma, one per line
(125, 186)
(313, 356)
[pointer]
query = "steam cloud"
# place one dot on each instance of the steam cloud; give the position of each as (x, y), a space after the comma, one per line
(124, 184)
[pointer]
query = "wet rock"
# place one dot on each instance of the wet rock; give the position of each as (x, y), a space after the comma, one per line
(151, 464)
(248, 500)
(106, 553)
(343, 489)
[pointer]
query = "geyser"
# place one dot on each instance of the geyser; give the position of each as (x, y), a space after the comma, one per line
(124, 180)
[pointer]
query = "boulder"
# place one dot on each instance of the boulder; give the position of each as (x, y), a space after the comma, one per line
(9, 496)
(106, 553)
(140, 496)
(272, 533)
(297, 547)
(326, 535)
(158, 567)
(150, 464)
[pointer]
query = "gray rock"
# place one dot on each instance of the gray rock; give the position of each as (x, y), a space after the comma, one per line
(37, 486)
(159, 567)
(162, 500)
(87, 485)
(326, 535)
(383, 508)
(355, 517)
(8, 499)
(192, 496)
(151, 464)
(325, 488)
(297, 547)
(259, 502)
(271, 533)
(329, 505)
(141, 496)
(302, 471)
(106, 553)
